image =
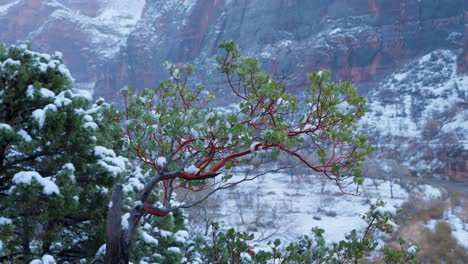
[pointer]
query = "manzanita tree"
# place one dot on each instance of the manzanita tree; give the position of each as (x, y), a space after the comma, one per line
(189, 145)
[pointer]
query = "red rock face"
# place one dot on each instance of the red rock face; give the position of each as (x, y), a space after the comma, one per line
(357, 40)
(463, 67)
(22, 19)
(457, 168)
(395, 32)
(373, 7)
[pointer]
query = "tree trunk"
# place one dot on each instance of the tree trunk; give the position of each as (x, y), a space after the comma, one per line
(119, 239)
(114, 228)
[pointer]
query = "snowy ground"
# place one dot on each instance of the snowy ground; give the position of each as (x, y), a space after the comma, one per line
(279, 206)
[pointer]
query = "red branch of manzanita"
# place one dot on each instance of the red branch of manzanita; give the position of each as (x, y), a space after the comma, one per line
(265, 107)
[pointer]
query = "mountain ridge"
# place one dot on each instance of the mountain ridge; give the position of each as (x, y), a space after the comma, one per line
(109, 44)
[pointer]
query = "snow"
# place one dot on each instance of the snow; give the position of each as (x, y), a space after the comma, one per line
(84, 94)
(400, 76)
(459, 227)
(26, 137)
(30, 91)
(65, 72)
(91, 125)
(102, 152)
(113, 165)
(4, 221)
(40, 114)
(149, 239)
(393, 225)
(459, 230)
(52, 63)
(110, 161)
(131, 184)
(4, 8)
(106, 31)
(110, 204)
(181, 236)
(383, 210)
(253, 146)
(278, 205)
(125, 223)
(334, 31)
(404, 102)
(10, 62)
(412, 250)
(58, 54)
(174, 250)
(88, 118)
(25, 177)
(161, 161)
(194, 133)
(46, 93)
(69, 166)
(164, 233)
(101, 251)
(427, 192)
(48, 259)
(343, 107)
(191, 169)
(5, 126)
(61, 100)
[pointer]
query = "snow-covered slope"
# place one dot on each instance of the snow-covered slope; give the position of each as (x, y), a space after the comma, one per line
(405, 103)
(422, 110)
(5, 6)
(106, 30)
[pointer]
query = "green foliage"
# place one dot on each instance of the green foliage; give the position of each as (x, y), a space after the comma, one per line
(406, 253)
(173, 121)
(227, 247)
(56, 160)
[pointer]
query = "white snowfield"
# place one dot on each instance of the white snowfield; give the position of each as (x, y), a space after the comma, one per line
(280, 206)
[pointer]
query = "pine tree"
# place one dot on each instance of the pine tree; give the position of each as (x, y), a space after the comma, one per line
(57, 161)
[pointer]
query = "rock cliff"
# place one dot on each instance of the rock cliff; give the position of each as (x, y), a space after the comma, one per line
(111, 43)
